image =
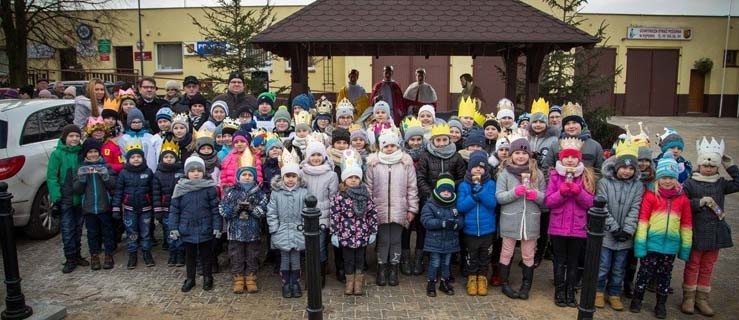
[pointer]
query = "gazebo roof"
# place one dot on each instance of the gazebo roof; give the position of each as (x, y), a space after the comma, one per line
(418, 27)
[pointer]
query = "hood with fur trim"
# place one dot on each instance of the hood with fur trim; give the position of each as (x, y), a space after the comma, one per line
(608, 170)
(278, 185)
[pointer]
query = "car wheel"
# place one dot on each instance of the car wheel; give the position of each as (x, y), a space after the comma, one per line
(42, 224)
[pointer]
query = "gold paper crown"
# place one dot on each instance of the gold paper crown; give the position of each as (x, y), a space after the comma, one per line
(229, 123)
(627, 148)
(345, 104)
(134, 144)
(112, 104)
(467, 108)
(289, 157)
(571, 109)
(303, 117)
(491, 116)
(317, 137)
(516, 134)
(355, 127)
(410, 122)
(703, 146)
(203, 132)
(181, 118)
(571, 143)
(324, 106)
(641, 139)
(440, 129)
(246, 159)
(540, 106)
(479, 118)
(170, 145)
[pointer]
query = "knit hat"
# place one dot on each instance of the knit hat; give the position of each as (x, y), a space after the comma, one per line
(164, 113)
(454, 123)
(670, 138)
(315, 147)
(388, 137)
(281, 114)
(555, 108)
(219, 104)
(478, 158)
(273, 143)
(506, 113)
(667, 167)
(445, 183)
(710, 153)
(340, 134)
(352, 165)
(302, 100)
(235, 75)
(475, 137)
(190, 80)
(133, 114)
(381, 106)
(194, 162)
(570, 146)
(241, 170)
(359, 134)
(428, 108)
(502, 143)
(489, 122)
(266, 97)
(198, 99)
(524, 117)
(205, 140)
(645, 153)
(70, 128)
(626, 160)
(521, 144)
(172, 84)
(90, 144)
(290, 168)
(71, 90)
(241, 135)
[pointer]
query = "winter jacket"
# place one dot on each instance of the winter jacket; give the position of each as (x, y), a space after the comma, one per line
(133, 188)
(112, 155)
(150, 109)
(568, 214)
(438, 238)
(94, 181)
(543, 143)
(352, 230)
(83, 110)
(430, 167)
(245, 227)
(225, 150)
(478, 210)
(195, 215)
(238, 102)
(270, 169)
(323, 186)
(624, 200)
(151, 154)
(60, 172)
(393, 188)
(519, 217)
(710, 233)
(229, 166)
(665, 226)
(284, 215)
(163, 184)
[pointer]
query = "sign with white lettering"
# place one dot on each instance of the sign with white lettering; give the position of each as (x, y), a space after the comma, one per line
(659, 33)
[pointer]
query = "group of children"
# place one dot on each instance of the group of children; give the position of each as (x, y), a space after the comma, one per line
(471, 188)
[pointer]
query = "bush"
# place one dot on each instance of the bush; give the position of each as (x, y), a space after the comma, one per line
(602, 131)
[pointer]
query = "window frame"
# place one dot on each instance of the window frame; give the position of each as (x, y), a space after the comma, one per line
(156, 58)
(44, 134)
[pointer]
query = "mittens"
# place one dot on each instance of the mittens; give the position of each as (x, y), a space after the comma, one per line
(372, 238)
(564, 190)
(531, 194)
(575, 189)
(335, 240)
(707, 202)
(174, 234)
(520, 190)
(477, 188)
(727, 161)
(217, 233)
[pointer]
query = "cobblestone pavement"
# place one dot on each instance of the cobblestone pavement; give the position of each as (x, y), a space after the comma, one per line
(153, 293)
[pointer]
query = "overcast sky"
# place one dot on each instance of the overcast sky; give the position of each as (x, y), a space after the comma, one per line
(651, 7)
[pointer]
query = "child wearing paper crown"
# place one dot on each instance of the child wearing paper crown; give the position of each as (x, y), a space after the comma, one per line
(569, 195)
(707, 192)
(353, 221)
(670, 142)
(621, 187)
(168, 173)
(657, 240)
(443, 222)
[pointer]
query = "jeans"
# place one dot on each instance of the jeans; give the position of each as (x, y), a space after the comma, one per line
(613, 265)
(100, 233)
(71, 226)
(436, 261)
(138, 230)
(290, 260)
(244, 257)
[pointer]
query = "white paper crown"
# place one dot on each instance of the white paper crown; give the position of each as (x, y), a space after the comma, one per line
(704, 146)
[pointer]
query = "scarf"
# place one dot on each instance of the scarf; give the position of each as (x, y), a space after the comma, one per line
(137, 133)
(211, 162)
(670, 193)
(169, 167)
(360, 196)
(647, 175)
(390, 159)
(444, 152)
(318, 170)
(336, 156)
(415, 153)
(299, 142)
(517, 170)
(247, 186)
(185, 141)
(196, 120)
(710, 179)
(562, 170)
(136, 169)
(186, 186)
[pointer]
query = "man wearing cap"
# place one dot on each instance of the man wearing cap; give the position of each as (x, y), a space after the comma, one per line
(191, 86)
(354, 93)
(419, 93)
(149, 103)
(41, 84)
(390, 92)
(235, 96)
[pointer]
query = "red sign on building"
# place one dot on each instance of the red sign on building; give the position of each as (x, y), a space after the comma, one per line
(137, 56)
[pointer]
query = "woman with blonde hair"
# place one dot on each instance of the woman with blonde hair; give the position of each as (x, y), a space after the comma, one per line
(90, 104)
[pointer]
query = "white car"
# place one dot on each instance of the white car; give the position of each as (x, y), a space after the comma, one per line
(29, 131)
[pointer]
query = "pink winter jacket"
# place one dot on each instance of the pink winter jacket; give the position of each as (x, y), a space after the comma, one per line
(568, 215)
(229, 166)
(393, 189)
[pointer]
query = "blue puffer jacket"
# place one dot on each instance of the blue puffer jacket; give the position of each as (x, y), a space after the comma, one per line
(439, 239)
(195, 215)
(164, 181)
(479, 215)
(246, 228)
(133, 188)
(94, 181)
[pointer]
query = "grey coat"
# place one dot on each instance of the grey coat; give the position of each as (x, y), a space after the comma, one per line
(324, 187)
(624, 201)
(284, 215)
(520, 218)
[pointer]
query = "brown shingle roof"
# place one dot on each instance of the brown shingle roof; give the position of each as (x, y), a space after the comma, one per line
(350, 22)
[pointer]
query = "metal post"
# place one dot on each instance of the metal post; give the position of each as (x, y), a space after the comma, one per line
(15, 302)
(312, 232)
(596, 223)
(140, 44)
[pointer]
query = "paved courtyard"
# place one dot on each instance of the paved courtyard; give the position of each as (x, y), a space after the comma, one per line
(153, 293)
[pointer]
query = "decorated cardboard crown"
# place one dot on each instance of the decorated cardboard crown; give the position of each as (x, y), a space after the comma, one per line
(352, 159)
(324, 106)
(571, 109)
(505, 103)
(571, 143)
(181, 118)
(491, 116)
(345, 104)
(111, 104)
(303, 117)
(518, 133)
(540, 106)
(204, 132)
(627, 148)
(440, 129)
(170, 145)
(703, 146)
(641, 139)
(127, 94)
(95, 124)
(133, 144)
(468, 108)
(290, 157)
(410, 122)
(246, 159)
(231, 124)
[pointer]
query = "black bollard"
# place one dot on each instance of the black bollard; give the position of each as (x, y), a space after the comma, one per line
(15, 302)
(312, 232)
(596, 223)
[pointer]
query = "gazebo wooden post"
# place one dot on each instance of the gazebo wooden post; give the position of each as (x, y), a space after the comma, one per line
(511, 73)
(298, 70)
(534, 59)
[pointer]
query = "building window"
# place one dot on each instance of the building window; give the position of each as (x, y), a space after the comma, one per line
(311, 65)
(731, 58)
(169, 57)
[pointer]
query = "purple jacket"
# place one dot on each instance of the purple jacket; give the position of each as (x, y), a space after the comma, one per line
(568, 214)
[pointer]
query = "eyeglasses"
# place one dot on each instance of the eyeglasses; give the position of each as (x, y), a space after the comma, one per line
(149, 87)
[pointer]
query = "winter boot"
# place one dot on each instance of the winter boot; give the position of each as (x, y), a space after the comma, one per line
(95, 262)
(148, 259)
(180, 259)
(446, 287)
(660, 309)
(392, 278)
(358, 284)
(431, 288)
(81, 261)
(418, 264)
(570, 295)
(560, 290)
(615, 302)
(69, 266)
(251, 283)
(381, 279)
(132, 260)
(295, 288)
(600, 300)
(495, 277)
(108, 262)
(505, 271)
(208, 283)
(701, 303)
(349, 284)
(472, 285)
(339, 263)
(482, 285)
(238, 285)
(636, 302)
(405, 262)
(172, 261)
(285, 277)
(526, 281)
(188, 285)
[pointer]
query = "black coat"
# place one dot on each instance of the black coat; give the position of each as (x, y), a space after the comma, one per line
(270, 169)
(237, 102)
(150, 109)
(430, 167)
(164, 181)
(710, 233)
(94, 181)
(133, 188)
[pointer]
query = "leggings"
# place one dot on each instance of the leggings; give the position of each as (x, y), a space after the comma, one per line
(388, 243)
(657, 267)
(205, 249)
(567, 251)
(289, 260)
(699, 268)
(528, 248)
(353, 259)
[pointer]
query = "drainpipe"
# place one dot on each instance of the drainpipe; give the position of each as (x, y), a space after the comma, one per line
(723, 72)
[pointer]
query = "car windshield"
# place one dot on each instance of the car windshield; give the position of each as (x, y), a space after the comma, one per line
(3, 134)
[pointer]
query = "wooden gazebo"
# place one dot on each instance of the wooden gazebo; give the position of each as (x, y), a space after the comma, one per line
(506, 28)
